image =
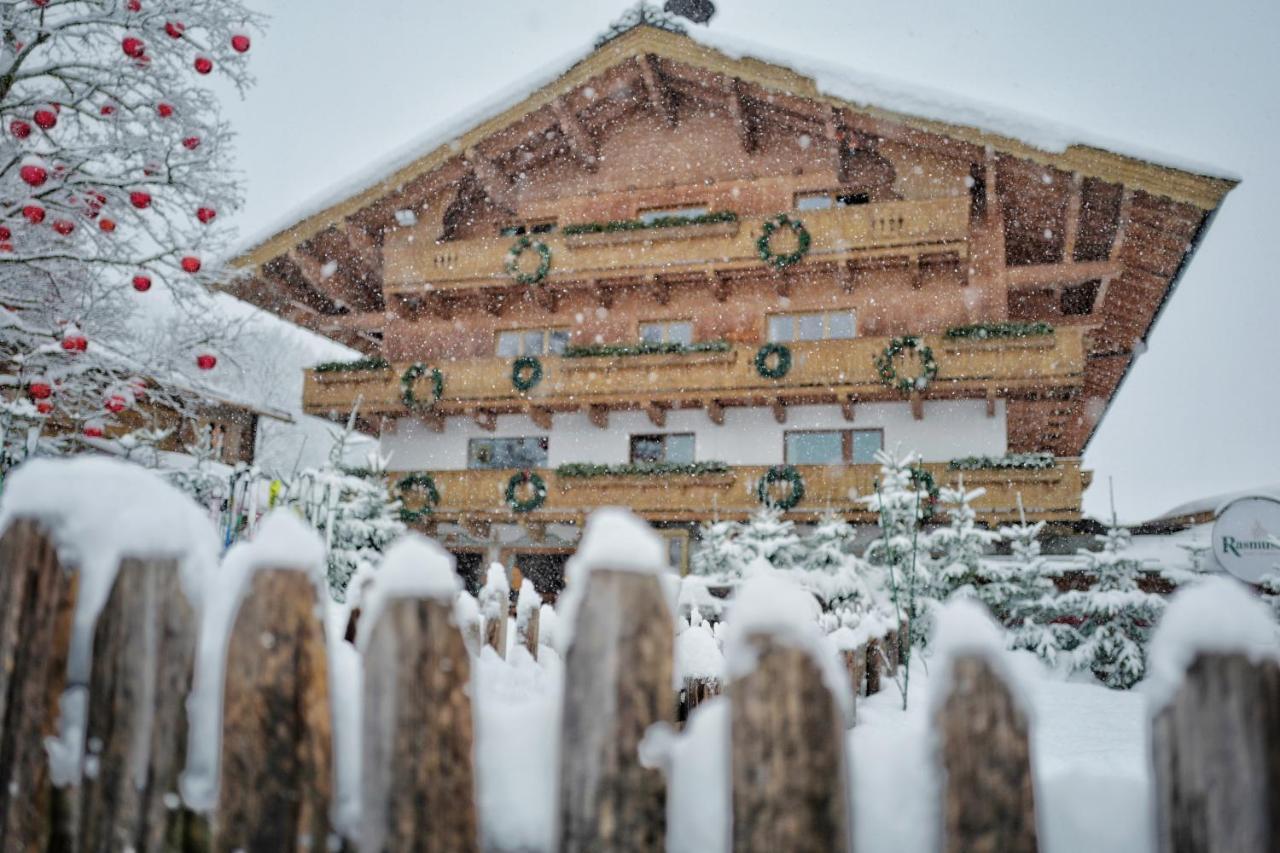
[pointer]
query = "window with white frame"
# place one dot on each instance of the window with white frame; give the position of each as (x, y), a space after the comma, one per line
(676, 448)
(667, 332)
(813, 326)
(522, 452)
(517, 342)
(687, 212)
(832, 447)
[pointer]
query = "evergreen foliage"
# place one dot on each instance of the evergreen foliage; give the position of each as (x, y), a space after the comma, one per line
(207, 485)
(960, 547)
(1021, 594)
(769, 537)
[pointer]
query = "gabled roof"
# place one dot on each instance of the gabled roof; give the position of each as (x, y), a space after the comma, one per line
(968, 124)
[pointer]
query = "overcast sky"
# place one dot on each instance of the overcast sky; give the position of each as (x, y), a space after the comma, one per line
(343, 83)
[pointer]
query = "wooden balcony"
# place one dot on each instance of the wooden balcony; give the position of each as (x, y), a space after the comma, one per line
(821, 372)
(1051, 494)
(914, 228)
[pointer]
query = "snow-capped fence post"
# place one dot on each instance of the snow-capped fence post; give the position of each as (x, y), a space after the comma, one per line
(787, 730)
(874, 664)
(418, 782)
(988, 801)
(699, 689)
(37, 600)
(495, 605)
(277, 763)
(618, 681)
(143, 661)
(1214, 676)
(855, 663)
(528, 610)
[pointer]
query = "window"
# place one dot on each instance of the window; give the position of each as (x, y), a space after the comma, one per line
(667, 332)
(832, 447)
(825, 325)
(676, 448)
(532, 342)
(851, 199)
(507, 453)
(689, 212)
(828, 200)
(677, 549)
(517, 229)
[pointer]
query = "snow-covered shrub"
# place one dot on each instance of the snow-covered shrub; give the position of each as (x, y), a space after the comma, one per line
(959, 548)
(1022, 595)
(718, 553)
(770, 537)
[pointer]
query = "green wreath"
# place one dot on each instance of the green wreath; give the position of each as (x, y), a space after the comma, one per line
(419, 483)
(539, 491)
(777, 474)
(513, 261)
(889, 371)
(780, 368)
(766, 237)
(526, 372)
(410, 379)
(922, 479)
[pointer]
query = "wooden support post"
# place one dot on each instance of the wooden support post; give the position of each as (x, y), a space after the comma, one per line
(1071, 228)
(991, 402)
(657, 414)
(779, 411)
(987, 798)
(661, 98)
(855, 663)
(721, 288)
(875, 662)
(143, 662)
(37, 601)
(617, 683)
(715, 411)
(495, 606)
(581, 143)
(542, 418)
(418, 782)
(788, 756)
(276, 776)
(599, 416)
(917, 406)
(1216, 749)
(847, 408)
(697, 690)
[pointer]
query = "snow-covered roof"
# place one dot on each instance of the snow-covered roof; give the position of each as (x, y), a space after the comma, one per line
(998, 127)
(1214, 503)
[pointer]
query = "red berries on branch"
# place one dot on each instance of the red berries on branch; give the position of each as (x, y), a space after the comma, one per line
(164, 110)
(203, 65)
(45, 119)
(204, 361)
(64, 226)
(33, 213)
(40, 390)
(240, 43)
(107, 225)
(33, 174)
(141, 283)
(133, 47)
(191, 143)
(191, 264)
(175, 29)
(206, 215)
(93, 431)
(115, 404)
(74, 342)
(140, 199)
(19, 128)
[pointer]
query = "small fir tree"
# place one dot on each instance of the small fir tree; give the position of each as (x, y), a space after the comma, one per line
(960, 547)
(833, 572)
(1021, 593)
(1115, 615)
(718, 554)
(203, 480)
(769, 536)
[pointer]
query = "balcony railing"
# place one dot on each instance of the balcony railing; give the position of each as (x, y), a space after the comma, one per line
(821, 371)
(893, 228)
(1051, 494)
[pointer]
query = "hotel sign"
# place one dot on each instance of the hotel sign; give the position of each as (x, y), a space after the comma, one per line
(1246, 538)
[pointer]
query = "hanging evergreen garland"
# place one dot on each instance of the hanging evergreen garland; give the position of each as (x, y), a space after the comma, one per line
(410, 379)
(922, 479)
(779, 354)
(535, 500)
(526, 372)
(422, 484)
(513, 261)
(766, 238)
(778, 474)
(885, 364)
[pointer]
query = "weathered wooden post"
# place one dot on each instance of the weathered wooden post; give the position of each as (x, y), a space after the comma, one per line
(618, 682)
(418, 786)
(528, 608)
(699, 689)
(855, 663)
(1216, 747)
(787, 737)
(277, 734)
(143, 660)
(466, 614)
(37, 603)
(892, 652)
(875, 665)
(495, 604)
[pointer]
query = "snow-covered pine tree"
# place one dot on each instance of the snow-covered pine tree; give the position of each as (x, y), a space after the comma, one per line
(769, 536)
(718, 553)
(1021, 593)
(832, 571)
(959, 548)
(117, 166)
(1115, 615)
(207, 480)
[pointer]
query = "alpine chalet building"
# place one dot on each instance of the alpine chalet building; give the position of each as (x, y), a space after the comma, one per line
(684, 282)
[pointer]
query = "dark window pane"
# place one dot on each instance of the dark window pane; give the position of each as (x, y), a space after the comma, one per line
(508, 453)
(866, 443)
(557, 341)
(646, 448)
(850, 199)
(679, 449)
(814, 448)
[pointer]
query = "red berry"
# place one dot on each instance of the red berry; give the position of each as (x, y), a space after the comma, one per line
(46, 119)
(140, 199)
(82, 343)
(165, 110)
(107, 109)
(34, 213)
(75, 343)
(191, 143)
(133, 47)
(19, 128)
(40, 390)
(205, 361)
(240, 43)
(175, 29)
(206, 215)
(115, 404)
(107, 225)
(64, 227)
(203, 64)
(141, 283)
(40, 2)
(6, 248)
(191, 264)
(33, 174)
(93, 431)
(134, 5)
(5, 234)
(143, 61)
(44, 407)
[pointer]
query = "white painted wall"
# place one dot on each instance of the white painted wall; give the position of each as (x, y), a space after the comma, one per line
(749, 436)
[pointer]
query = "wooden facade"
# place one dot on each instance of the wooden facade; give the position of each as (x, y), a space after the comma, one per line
(926, 227)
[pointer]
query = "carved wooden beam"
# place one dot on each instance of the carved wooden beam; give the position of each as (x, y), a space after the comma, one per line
(991, 402)
(487, 420)
(372, 321)
(547, 298)
(434, 420)
(917, 406)
(1037, 276)
(604, 296)
(779, 411)
(542, 418)
(283, 275)
(740, 112)
(599, 416)
(657, 414)
(1072, 227)
(661, 98)
(721, 288)
(581, 142)
(847, 408)
(494, 303)
(661, 291)
(440, 305)
(495, 184)
(715, 411)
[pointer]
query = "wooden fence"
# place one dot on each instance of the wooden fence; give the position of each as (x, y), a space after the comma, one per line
(1214, 747)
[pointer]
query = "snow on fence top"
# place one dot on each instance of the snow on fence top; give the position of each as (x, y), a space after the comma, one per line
(414, 567)
(965, 628)
(1216, 615)
(98, 510)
